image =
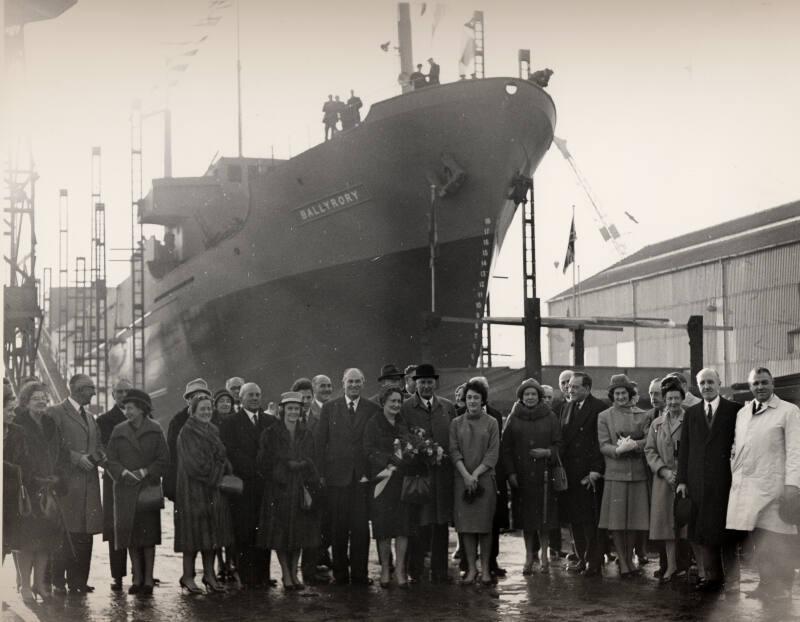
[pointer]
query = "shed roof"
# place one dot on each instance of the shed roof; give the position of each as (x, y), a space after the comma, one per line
(771, 227)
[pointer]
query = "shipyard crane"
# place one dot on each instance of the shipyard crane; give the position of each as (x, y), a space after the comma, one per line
(23, 316)
(607, 229)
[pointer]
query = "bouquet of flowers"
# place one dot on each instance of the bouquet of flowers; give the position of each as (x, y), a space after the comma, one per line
(418, 446)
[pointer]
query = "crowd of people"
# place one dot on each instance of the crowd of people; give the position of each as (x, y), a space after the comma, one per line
(704, 479)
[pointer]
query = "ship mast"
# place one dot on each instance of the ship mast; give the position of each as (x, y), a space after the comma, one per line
(404, 45)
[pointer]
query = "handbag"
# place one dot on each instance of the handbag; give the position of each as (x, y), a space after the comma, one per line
(416, 489)
(306, 500)
(23, 499)
(150, 498)
(48, 506)
(559, 476)
(231, 485)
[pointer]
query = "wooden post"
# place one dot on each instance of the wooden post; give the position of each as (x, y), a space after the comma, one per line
(533, 339)
(577, 347)
(695, 329)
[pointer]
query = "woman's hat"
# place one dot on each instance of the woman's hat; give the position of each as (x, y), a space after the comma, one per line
(292, 397)
(390, 371)
(198, 385)
(426, 370)
(138, 396)
(222, 393)
(621, 381)
(530, 383)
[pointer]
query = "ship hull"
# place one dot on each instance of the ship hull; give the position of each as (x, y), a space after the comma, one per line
(305, 289)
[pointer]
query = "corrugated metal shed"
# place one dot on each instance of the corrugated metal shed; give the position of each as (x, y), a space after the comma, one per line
(748, 279)
(775, 226)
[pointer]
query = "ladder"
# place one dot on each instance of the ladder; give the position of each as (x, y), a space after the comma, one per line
(137, 251)
(480, 71)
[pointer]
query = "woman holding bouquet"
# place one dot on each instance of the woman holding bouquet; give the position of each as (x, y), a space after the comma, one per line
(625, 508)
(385, 437)
(474, 450)
(531, 442)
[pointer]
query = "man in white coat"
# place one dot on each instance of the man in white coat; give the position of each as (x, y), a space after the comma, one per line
(765, 467)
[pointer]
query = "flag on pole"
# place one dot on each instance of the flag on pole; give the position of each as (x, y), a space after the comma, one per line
(569, 258)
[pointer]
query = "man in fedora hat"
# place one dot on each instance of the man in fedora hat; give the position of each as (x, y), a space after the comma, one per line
(106, 423)
(82, 511)
(390, 377)
(433, 414)
(193, 387)
(342, 463)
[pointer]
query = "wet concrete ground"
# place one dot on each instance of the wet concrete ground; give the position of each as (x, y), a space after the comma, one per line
(558, 596)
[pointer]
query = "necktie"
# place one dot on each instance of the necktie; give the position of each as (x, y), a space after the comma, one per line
(83, 415)
(709, 414)
(352, 409)
(428, 405)
(570, 408)
(756, 407)
(255, 419)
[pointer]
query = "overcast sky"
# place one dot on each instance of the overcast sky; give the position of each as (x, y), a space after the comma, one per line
(683, 114)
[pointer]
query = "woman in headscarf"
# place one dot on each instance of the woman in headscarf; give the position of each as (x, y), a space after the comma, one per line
(202, 516)
(138, 457)
(625, 509)
(530, 445)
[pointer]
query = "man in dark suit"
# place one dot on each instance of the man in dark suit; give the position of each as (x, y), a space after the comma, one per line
(433, 414)
(81, 510)
(390, 377)
(241, 433)
(343, 466)
(704, 475)
(106, 423)
(584, 465)
(321, 389)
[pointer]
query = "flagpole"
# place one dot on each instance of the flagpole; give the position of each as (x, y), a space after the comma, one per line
(238, 81)
(574, 261)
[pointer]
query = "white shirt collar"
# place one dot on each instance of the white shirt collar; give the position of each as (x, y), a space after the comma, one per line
(250, 414)
(75, 404)
(353, 402)
(318, 402)
(714, 405)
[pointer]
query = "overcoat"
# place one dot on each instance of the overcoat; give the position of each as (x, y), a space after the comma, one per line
(241, 439)
(83, 512)
(132, 449)
(533, 428)
(704, 465)
(614, 423)
(437, 426)
(475, 440)
(390, 517)
(283, 524)
(45, 456)
(341, 459)
(14, 459)
(766, 458)
(175, 425)
(106, 424)
(580, 454)
(202, 514)
(660, 450)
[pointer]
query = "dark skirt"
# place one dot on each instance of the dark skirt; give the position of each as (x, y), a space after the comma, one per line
(391, 517)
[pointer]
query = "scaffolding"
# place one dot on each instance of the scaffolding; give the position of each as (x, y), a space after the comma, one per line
(137, 251)
(63, 283)
(477, 21)
(532, 314)
(79, 297)
(100, 342)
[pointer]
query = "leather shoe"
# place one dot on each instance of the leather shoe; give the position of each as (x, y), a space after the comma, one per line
(116, 586)
(59, 590)
(714, 585)
(499, 572)
(362, 581)
(591, 572)
(577, 567)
